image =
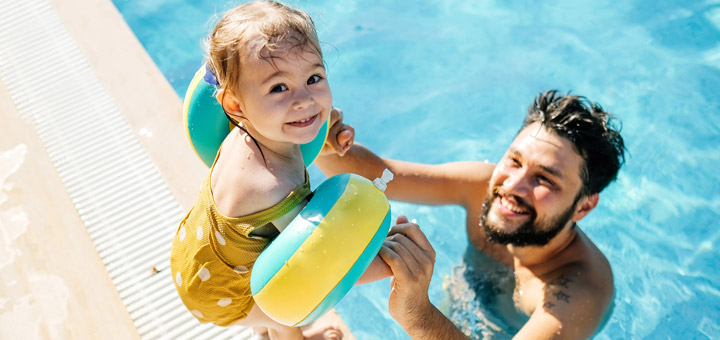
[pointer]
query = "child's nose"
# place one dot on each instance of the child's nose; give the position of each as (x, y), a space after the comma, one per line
(303, 99)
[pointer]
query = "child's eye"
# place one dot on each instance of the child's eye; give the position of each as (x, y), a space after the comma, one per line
(278, 88)
(314, 79)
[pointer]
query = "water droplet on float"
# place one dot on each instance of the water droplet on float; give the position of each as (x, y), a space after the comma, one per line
(324, 251)
(312, 216)
(333, 218)
(359, 209)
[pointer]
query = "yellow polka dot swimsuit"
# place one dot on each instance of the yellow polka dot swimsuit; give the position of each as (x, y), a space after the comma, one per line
(212, 256)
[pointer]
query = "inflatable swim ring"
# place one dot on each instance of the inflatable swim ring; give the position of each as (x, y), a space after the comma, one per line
(315, 261)
(206, 124)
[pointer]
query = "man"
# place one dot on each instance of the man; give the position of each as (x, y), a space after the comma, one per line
(523, 212)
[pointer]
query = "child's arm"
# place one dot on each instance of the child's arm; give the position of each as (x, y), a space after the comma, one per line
(378, 270)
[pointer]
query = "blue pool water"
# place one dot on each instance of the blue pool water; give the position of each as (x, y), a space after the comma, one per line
(450, 80)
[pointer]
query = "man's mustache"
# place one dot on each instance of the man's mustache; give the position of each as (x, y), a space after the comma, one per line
(499, 191)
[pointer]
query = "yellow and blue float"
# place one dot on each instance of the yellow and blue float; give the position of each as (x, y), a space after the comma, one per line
(315, 261)
(207, 126)
(322, 253)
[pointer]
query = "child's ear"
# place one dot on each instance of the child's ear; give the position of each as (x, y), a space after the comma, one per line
(230, 103)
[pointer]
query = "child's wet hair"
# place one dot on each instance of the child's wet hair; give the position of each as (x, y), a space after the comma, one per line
(267, 28)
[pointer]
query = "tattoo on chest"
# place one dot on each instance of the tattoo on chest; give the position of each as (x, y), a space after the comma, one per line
(561, 281)
(557, 292)
(561, 296)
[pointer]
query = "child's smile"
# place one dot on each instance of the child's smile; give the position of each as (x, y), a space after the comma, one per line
(304, 122)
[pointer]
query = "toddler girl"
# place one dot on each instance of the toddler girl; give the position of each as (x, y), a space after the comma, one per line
(273, 87)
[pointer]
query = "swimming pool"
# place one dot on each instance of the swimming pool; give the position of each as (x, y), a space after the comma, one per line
(446, 81)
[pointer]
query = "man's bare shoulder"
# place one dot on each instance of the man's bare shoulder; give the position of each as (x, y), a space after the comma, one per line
(574, 304)
(578, 287)
(577, 295)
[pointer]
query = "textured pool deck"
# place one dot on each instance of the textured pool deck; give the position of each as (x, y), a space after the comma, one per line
(55, 282)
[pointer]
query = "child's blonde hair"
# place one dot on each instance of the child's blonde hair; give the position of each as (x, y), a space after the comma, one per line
(260, 27)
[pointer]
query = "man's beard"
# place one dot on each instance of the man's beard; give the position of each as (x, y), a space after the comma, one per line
(533, 233)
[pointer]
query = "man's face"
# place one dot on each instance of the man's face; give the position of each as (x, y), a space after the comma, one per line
(533, 192)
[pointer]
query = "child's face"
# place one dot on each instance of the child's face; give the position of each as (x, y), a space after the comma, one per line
(287, 100)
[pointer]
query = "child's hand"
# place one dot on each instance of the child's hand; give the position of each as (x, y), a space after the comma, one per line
(340, 137)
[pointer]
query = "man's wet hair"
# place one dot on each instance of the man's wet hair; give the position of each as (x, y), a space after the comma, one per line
(591, 130)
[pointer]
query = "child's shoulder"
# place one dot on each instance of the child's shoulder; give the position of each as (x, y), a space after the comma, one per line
(241, 181)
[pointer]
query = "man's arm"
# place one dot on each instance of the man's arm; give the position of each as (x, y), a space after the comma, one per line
(411, 258)
(461, 183)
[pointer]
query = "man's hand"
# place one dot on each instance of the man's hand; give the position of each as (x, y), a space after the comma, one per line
(411, 258)
(340, 136)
